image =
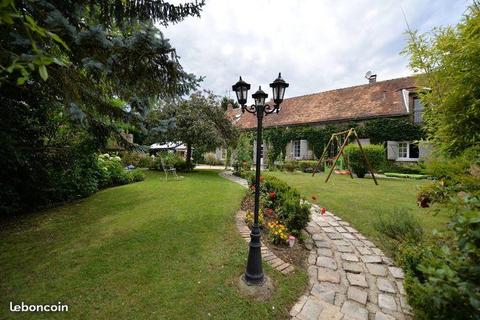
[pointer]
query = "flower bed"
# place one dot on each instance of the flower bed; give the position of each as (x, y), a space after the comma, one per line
(282, 216)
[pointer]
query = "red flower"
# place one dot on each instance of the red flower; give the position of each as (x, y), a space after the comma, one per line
(323, 211)
(272, 195)
(269, 212)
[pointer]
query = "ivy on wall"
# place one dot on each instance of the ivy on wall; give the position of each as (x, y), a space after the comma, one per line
(378, 130)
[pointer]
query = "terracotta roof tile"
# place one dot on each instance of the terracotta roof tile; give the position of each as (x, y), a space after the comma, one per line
(379, 99)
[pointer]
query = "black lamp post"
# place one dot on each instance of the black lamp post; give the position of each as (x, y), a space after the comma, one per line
(254, 272)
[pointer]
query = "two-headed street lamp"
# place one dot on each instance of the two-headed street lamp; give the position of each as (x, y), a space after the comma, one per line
(254, 272)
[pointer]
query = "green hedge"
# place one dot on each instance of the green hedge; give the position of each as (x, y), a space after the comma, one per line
(375, 154)
(171, 160)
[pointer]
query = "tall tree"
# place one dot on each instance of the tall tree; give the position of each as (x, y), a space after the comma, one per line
(72, 74)
(200, 122)
(449, 65)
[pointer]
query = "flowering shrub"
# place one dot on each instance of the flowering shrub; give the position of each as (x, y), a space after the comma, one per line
(249, 218)
(112, 173)
(278, 232)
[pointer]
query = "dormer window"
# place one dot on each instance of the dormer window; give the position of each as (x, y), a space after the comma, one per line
(417, 111)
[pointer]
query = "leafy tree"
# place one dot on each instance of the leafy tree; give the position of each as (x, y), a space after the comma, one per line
(448, 60)
(72, 75)
(200, 122)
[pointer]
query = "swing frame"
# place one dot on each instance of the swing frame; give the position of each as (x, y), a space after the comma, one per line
(335, 137)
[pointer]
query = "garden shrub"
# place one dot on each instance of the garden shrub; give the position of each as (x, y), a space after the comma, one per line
(399, 225)
(289, 208)
(442, 275)
(171, 159)
(211, 159)
(407, 168)
(375, 154)
(136, 158)
(112, 173)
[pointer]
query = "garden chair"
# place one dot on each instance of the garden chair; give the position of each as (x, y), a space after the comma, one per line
(168, 169)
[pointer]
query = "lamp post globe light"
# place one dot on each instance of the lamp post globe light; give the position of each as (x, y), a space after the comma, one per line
(254, 272)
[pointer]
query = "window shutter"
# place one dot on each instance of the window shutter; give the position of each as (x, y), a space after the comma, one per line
(392, 150)
(303, 149)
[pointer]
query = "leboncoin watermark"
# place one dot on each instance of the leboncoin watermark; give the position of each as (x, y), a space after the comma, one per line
(23, 307)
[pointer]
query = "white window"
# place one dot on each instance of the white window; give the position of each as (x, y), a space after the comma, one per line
(296, 148)
(403, 150)
(408, 151)
(417, 111)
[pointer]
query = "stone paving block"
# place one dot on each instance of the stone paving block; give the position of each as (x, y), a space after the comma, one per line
(364, 250)
(312, 258)
(376, 269)
(288, 270)
(347, 249)
(324, 291)
(352, 230)
(371, 259)
(382, 316)
(322, 244)
(323, 223)
(311, 309)
(354, 267)
(334, 236)
(400, 287)
(325, 252)
(344, 223)
(361, 236)
(348, 236)
(298, 306)
(386, 301)
(349, 257)
(377, 251)
(275, 262)
(283, 266)
(396, 272)
(340, 243)
(340, 229)
(318, 236)
(357, 279)
(369, 243)
(328, 229)
(385, 285)
(357, 294)
(357, 243)
(313, 230)
(326, 262)
(330, 312)
(328, 275)
(387, 261)
(269, 257)
(354, 311)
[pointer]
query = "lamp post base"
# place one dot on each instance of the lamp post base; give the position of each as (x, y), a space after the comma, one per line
(259, 291)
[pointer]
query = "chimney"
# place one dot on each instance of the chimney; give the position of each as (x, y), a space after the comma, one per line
(372, 78)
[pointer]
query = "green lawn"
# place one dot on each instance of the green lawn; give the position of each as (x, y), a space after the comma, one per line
(359, 201)
(150, 250)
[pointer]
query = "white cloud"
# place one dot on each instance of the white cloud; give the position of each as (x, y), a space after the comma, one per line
(316, 44)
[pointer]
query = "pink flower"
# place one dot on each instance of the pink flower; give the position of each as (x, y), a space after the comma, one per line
(290, 237)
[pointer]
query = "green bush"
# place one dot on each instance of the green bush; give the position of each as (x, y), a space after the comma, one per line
(375, 154)
(307, 165)
(290, 210)
(171, 160)
(442, 275)
(211, 159)
(399, 225)
(407, 168)
(112, 173)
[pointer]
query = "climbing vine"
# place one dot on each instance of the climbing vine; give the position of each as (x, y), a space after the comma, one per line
(378, 130)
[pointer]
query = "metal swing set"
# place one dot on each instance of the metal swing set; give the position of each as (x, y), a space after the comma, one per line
(336, 138)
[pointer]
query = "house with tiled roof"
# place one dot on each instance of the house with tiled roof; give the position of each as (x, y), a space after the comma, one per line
(393, 98)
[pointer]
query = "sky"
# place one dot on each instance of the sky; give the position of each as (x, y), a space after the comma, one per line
(318, 45)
